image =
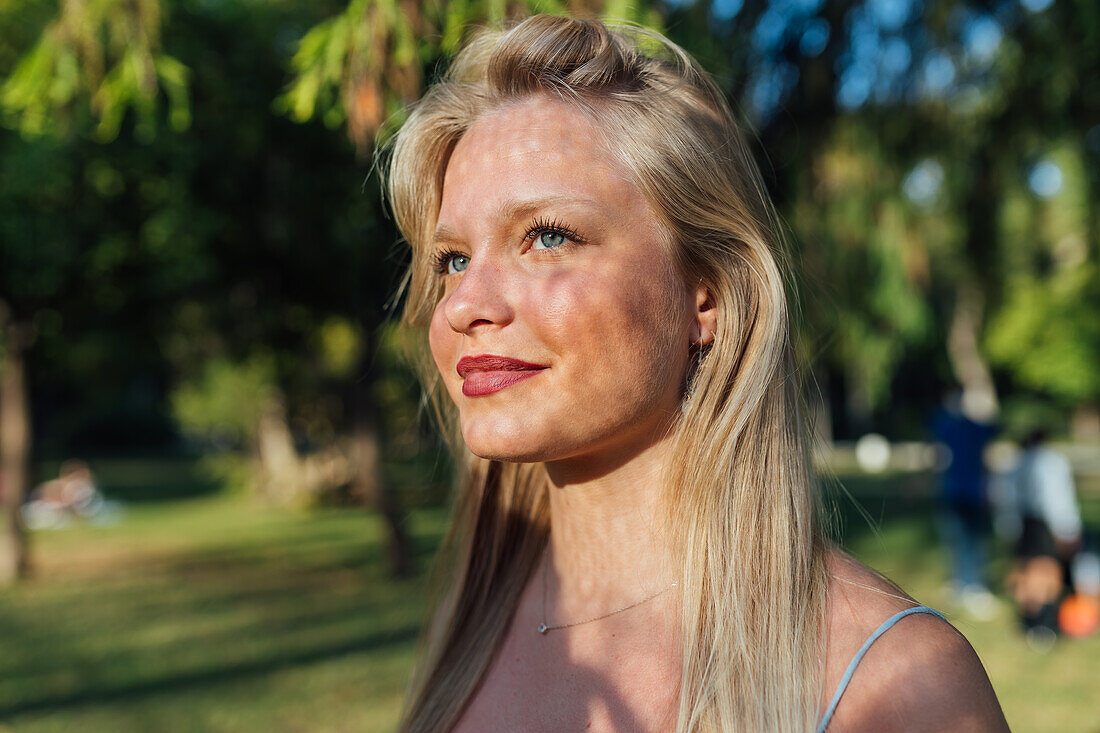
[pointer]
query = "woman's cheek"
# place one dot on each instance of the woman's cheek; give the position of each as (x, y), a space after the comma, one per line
(565, 305)
(557, 310)
(442, 342)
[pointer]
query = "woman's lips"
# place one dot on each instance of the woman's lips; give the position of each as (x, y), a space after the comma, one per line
(486, 374)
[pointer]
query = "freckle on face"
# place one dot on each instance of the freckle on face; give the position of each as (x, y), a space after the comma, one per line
(609, 318)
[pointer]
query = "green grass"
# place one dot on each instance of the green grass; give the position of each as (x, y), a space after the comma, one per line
(212, 614)
(217, 614)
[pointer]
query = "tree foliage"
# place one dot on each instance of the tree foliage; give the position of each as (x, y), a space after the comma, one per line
(169, 206)
(97, 59)
(366, 64)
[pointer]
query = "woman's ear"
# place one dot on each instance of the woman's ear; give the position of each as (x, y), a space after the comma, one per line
(705, 323)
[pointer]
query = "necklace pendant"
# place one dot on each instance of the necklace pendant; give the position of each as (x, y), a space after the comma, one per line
(542, 628)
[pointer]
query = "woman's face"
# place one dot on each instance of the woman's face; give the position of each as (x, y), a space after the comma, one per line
(564, 329)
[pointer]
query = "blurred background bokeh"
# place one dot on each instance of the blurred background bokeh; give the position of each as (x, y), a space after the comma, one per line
(220, 492)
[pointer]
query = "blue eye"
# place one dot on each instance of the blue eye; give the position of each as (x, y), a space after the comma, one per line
(551, 234)
(449, 262)
(457, 263)
(548, 240)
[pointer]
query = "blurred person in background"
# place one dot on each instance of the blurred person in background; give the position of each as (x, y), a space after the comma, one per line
(1048, 535)
(964, 511)
(72, 495)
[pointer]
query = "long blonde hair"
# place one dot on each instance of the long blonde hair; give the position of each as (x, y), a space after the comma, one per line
(741, 508)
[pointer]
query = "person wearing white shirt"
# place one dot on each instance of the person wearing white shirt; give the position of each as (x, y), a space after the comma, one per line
(1049, 533)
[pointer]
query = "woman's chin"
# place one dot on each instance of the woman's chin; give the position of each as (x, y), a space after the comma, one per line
(508, 443)
(508, 452)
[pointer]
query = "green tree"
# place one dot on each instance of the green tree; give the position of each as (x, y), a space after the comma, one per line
(94, 62)
(367, 63)
(899, 137)
(89, 65)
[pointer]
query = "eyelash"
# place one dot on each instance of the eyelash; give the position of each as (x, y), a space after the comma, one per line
(442, 259)
(555, 226)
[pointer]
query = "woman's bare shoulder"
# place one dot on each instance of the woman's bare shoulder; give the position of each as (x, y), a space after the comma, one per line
(921, 674)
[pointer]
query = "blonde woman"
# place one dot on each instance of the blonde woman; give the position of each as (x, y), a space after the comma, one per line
(636, 545)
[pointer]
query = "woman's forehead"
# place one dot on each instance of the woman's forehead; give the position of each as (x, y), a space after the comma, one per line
(536, 129)
(538, 148)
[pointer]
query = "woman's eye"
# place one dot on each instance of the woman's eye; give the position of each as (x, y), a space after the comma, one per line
(548, 240)
(457, 263)
(450, 262)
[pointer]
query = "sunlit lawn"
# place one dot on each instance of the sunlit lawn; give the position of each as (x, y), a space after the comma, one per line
(215, 614)
(211, 614)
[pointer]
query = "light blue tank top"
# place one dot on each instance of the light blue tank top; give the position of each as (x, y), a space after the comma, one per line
(859, 657)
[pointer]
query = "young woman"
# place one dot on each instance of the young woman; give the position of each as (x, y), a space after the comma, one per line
(636, 542)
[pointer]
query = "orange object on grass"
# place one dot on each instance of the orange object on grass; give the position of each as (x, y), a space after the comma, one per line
(1079, 615)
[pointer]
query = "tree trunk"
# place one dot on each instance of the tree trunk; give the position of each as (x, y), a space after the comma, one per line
(979, 398)
(366, 454)
(857, 400)
(971, 370)
(368, 486)
(1084, 425)
(280, 471)
(15, 441)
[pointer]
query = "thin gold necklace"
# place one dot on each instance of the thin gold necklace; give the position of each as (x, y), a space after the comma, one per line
(544, 627)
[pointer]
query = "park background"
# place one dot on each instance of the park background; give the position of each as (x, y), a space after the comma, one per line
(197, 282)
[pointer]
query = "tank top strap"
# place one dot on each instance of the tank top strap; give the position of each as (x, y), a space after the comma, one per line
(859, 657)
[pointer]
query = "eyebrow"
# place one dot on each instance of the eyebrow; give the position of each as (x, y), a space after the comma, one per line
(514, 210)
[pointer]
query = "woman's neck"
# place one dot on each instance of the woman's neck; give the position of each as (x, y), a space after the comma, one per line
(607, 538)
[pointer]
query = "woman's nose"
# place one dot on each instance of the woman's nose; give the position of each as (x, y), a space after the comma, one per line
(480, 299)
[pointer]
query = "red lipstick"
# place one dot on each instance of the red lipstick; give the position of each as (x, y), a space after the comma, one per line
(486, 374)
